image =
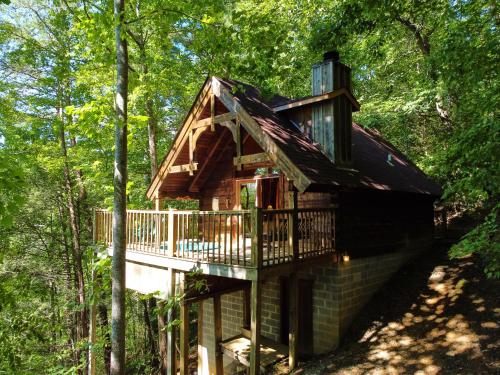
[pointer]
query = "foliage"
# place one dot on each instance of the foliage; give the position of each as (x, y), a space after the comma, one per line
(425, 73)
(484, 239)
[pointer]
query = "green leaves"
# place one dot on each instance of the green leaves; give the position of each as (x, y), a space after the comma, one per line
(12, 187)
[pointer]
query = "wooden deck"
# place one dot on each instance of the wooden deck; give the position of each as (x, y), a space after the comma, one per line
(246, 239)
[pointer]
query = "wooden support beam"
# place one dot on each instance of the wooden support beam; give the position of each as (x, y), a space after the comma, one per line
(219, 363)
(257, 241)
(294, 321)
(171, 240)
(255, 317)
(239, 143)
(202, 355)
(207, 122)
(205, 163)
(319, 98)
(171, 352)
(246, 308)
(180, 139)
(251, 159)
(191, 153)
(261, 138)
(158, 203)
(183, 168)
(184, 327)
(212, 112)
(293, 222)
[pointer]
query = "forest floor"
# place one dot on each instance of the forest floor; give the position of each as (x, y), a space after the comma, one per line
(435, 316)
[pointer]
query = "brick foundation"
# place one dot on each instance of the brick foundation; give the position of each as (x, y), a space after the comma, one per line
(339, 292)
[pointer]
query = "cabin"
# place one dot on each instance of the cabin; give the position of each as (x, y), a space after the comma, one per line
(302, 216)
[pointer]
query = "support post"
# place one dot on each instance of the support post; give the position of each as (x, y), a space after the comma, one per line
(171, 353)
(202, 358)
(294, 321)
(158, 203)
(171, 234)
(219, 364)
(257, 237)
(246, 308)
(293, 222)
(255, 317)
(184, 327)
(158, 207)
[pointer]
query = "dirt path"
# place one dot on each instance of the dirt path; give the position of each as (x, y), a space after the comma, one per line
(435, 316)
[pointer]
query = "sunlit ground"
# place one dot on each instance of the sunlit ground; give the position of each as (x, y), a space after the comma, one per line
(436, 316)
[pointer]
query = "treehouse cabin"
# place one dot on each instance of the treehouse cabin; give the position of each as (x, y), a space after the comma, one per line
(302, 215)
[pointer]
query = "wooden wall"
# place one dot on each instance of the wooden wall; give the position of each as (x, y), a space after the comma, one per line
(220, 184)
(374, 222)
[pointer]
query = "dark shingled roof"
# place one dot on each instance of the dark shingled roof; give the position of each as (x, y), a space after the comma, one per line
(372, 167)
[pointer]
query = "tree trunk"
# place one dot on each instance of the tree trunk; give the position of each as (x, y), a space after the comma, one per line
(425, 47)
(103, 319)
(149, 332)
(152, 129)
(162, 337)
(120, 198)
(74, 225)
(71, 317)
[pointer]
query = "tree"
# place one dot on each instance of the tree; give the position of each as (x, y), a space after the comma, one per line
(120, 195)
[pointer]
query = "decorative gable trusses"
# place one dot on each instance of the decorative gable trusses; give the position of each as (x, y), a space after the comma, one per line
(234, 119)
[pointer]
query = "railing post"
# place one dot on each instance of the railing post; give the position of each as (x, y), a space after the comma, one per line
(293, 223)
(158, 231)
(171, 236)
(257, 241)
(94, 227)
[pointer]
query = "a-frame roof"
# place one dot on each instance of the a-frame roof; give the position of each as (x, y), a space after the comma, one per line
(376, 164)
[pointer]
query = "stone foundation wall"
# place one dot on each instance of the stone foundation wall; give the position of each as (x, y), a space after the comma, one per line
(340, 290)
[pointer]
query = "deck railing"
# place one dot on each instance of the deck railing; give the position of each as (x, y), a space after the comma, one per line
(256, 238)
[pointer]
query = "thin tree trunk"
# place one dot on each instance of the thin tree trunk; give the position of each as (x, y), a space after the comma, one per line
(162, 337)
(152, 129)
(150, 337)
(74, 224)
(120, 198)
(71, 317)
(103, 319)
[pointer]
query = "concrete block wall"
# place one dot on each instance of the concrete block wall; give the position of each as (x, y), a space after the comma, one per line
(232, 322)
(340, 290)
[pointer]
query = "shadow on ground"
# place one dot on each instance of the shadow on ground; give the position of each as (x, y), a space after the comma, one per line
(434, 316)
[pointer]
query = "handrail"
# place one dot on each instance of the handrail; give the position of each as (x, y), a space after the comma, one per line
(249, 238)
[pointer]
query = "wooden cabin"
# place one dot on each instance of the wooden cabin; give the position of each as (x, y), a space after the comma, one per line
(302, 216)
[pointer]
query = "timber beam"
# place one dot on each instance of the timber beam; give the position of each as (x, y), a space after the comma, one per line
(251, 159)
(207, 122)
(183, 168)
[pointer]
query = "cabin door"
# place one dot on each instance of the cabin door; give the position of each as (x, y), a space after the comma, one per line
(305, 315)
(262, 192)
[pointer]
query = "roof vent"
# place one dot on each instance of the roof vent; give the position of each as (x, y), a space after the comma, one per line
(389, 160)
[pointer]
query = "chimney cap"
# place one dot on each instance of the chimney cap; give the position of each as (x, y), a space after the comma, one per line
(331, 55)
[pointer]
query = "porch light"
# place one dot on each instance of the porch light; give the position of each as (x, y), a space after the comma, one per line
(345, 258)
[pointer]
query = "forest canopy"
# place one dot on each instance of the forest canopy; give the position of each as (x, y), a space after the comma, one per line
(425, 73)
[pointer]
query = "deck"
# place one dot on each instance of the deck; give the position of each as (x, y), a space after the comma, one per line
(245, 240)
